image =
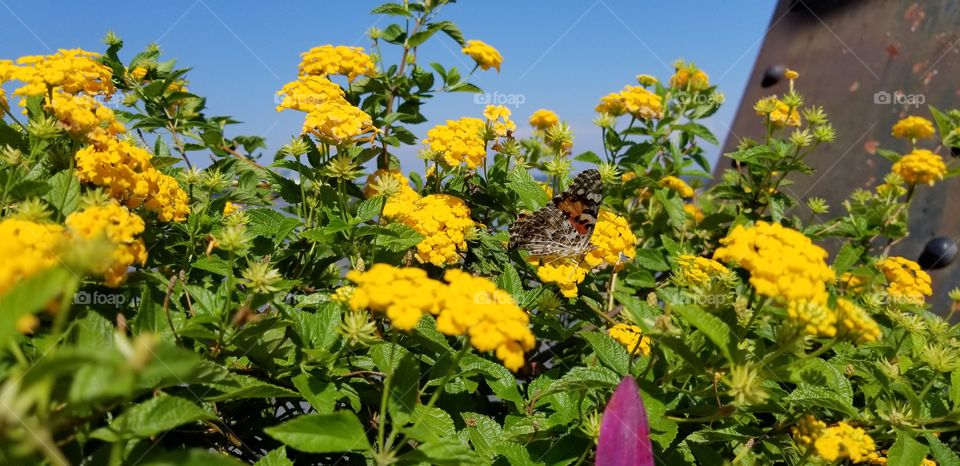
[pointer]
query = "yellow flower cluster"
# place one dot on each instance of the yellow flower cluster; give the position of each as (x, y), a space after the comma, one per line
(631, 337)
(120, 227)
(613, 243)
(27, 248)
(543, 119)
(783, 263)
(835, 443)
(475, 307)
(138, 73)
(499, 117)
(486, 56)
(699, 270)
(812, 317)
(125, 170)
(913, 127)
(72, 71)
(465, 306)
(855, 323)
(676, 184)
(920, 166)
(338, 122)
(905, 280)
(694, 212)
(613, 240)
(308, 92)
(459, 141)
(84, 117)
(328, 60)
(444, 221)
(230, 208)
(688, 76)
(777, 112)
(398, 204)
(634, 100)
(647, 80)
(564, 274)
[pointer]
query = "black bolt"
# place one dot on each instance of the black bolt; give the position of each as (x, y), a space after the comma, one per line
(772, 75)
(938, 253)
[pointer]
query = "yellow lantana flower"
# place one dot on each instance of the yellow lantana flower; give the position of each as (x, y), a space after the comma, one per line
(543, 119)
(328, 60)
(783, 263)
(905, 280)
(338, 122)
(308, 92)
(118, 225)
(459, 141)
(913, 127)
(27, 248)
(676, 184)
(486, 56)
(631, 337)
(920, 166)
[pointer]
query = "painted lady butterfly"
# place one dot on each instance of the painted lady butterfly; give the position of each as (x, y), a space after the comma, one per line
(564, 226)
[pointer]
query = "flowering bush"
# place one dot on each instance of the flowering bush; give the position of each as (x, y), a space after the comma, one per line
(323, 306)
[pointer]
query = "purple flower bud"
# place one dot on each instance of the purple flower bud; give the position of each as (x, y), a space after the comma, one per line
(624, 431)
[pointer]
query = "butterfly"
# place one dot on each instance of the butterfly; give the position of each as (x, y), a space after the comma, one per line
(564, 226)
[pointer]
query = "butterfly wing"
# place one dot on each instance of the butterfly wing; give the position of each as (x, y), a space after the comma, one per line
(563, 227)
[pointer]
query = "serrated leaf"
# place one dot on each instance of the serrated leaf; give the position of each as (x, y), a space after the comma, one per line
(846, 258)
(942, 453)
(321, 395)
(609, 351)
(322, 433)
(430, 424)
(276, 457)
(714, 328)
(509, 280)
(397, 237)
(152, 417)
(370, 209)
(213, 264)
(805, 395)
(906, 451)
(64, 192)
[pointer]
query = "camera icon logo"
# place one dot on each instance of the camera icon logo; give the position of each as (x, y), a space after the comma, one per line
(882, 98)
(81, 297)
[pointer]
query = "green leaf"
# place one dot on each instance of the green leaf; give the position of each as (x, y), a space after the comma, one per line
(152, 417)
(452, 31)
(806, 395)
(369, 209)
(846, 258)
(942, 453)
(652, 259)
(193, 457)
(714, 328)
(906, 451)
(213, 264)
(532, 196)
(582, 378)
(32, 295)
(955, 388)
(589, 157)
(64, 192)
(610, 353)
(509, 280)
(699, 130)
(321, 395)
(397, 237)
(276, 457)
(405, 389)
(322, 433)
(392, 9)
(485, 434)
(430, 424)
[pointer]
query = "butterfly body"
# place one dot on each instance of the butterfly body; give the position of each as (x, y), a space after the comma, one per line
(564, 226)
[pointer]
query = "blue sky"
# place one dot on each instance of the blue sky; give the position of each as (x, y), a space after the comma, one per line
(562, 54)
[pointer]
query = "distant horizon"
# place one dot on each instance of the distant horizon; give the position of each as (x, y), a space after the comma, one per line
(563, 57)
